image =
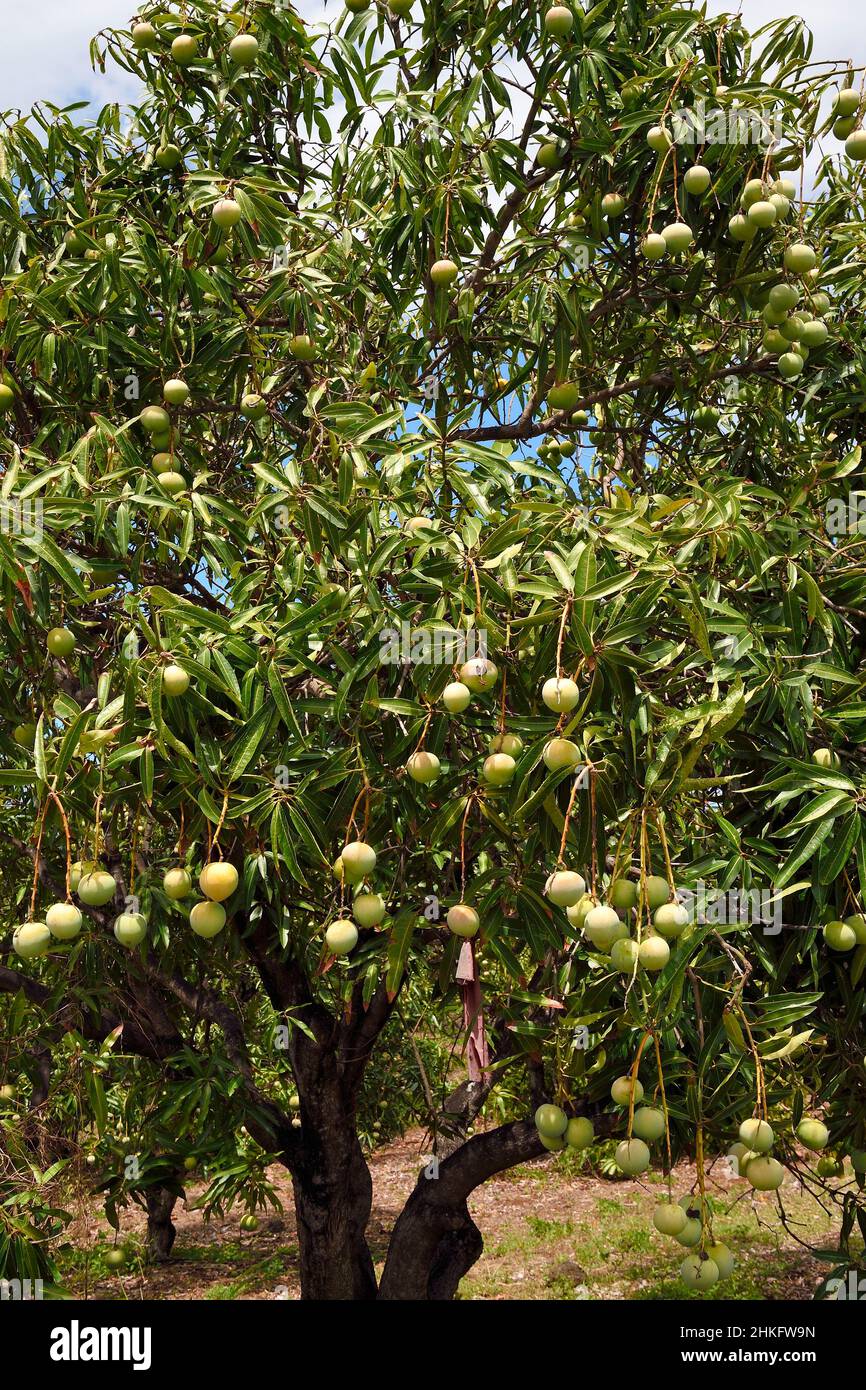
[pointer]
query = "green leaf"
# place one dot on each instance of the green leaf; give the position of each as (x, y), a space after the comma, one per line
(247, 744)
(399, 946)
(561, 570)
(146, 774)
(39, 750)
(70, 743)
(807, 845)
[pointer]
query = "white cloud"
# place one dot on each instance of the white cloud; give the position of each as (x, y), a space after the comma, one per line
(44, 55)
(838, 26)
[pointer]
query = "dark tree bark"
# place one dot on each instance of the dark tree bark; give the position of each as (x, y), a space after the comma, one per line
(161, 1230)
(435, 1241)
(331, 1182)
(333, 1194)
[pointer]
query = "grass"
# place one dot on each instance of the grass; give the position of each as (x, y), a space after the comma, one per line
(547, 1230)
(554, 1229)
(609, 1249)
(263, 1275)
(85, 1267)
(80, 1265)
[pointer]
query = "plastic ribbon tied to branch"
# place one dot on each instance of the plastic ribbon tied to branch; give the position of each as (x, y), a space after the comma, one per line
(477, 1056)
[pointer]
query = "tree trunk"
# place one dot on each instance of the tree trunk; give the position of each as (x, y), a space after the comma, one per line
(432, 1246)
(333, 1189)
(332, 1204)
(435, 1241)
(160, 1227)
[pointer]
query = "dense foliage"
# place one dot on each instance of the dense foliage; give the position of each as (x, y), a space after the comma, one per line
(425, 373)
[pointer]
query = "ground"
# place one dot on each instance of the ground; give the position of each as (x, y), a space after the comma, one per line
(550, 1231)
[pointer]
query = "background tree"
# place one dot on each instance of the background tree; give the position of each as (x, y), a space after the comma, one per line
(304, 348)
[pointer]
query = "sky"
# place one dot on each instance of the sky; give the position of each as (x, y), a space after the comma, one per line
(44, 54)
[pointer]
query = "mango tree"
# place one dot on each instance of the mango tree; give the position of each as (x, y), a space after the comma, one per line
(431, 557)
